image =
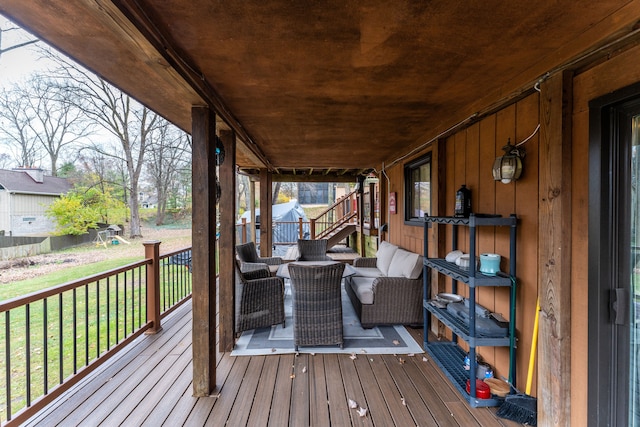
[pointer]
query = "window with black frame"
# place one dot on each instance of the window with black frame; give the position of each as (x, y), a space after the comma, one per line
(417, 184)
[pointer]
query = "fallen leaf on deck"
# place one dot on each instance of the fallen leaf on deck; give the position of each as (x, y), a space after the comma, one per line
(353, 404)
(424, 359)
(304, 370)
(362, 412)
(404, 403)
(353, 356)
(401, 360)
(395, 342)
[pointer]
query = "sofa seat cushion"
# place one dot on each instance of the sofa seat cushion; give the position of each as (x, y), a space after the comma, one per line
(368, 272)
(405, 264)
(384, 256)
(363, 288)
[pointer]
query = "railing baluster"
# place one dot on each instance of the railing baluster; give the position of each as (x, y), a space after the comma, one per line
(28, 352)
(86, 324)
(97, 319)
(45, 364)
(124, 305)
(135, 286)
(7, 360)
(75, 332)
(140, 296)
(60, 337)
(117, 308)
(108, 314)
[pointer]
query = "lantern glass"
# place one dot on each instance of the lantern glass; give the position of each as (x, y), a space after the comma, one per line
(507, 168)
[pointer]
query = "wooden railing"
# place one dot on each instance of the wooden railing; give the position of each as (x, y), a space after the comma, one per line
(53, 338)
(299, 229)
(339, 213)
(342, 211)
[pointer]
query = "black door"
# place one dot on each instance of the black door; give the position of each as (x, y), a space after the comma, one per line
(614, 260)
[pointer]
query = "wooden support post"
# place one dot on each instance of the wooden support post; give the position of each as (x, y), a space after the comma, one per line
(372, 206)
(204, 250)
(227, 242)
(266, 218)
(252, 209)
(554, 351)
(300, 229)
(360, 198)
(152, 251)
(312, 226)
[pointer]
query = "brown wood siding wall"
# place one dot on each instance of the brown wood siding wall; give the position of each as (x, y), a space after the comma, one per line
(468, 158)
(616, 73)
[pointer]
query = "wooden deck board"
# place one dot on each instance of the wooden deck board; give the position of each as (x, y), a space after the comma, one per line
(261, 407)
(318, 396)
(376, 405)
(239, 414)
(281, 403)
(412, 399)
(300, 400)
(338, 406)
(150, 383)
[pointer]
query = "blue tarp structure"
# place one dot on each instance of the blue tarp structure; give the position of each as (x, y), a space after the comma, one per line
(183, 258)
(289, 213)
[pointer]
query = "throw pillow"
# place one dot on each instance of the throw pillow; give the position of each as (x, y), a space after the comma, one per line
(384, 256)
(405, 264)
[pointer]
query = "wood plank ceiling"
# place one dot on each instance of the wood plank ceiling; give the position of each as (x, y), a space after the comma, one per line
(320, 87)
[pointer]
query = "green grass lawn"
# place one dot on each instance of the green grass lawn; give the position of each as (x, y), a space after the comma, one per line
(24, 287)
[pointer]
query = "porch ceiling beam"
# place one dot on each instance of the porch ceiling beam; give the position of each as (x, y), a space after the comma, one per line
(332, 177)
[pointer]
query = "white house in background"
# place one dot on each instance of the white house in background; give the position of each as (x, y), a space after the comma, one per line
(25, 195)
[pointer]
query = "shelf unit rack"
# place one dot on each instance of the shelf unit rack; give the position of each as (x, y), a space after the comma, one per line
(447, 354)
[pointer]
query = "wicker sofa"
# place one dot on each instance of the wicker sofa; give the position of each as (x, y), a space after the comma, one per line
(387, 289)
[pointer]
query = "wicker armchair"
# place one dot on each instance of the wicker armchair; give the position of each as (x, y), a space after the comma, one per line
(317, 304)
(312, 250)
(248, 254)
(259, 299)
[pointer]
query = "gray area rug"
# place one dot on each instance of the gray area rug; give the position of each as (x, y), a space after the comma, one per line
(279, 340)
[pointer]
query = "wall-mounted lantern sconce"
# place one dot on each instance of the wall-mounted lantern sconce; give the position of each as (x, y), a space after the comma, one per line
(509, 166)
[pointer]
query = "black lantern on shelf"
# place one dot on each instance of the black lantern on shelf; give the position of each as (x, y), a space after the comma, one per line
(509, 166)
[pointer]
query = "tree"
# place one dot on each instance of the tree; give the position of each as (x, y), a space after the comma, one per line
(7, 28)
(57, 121)
(129, 122)
(168, 153)
(38, 117)
(15, 131)
(72, 216)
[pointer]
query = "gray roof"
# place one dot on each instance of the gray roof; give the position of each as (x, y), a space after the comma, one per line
(21, 182)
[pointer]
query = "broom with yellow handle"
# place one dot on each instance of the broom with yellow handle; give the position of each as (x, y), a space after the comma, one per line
(523, 408)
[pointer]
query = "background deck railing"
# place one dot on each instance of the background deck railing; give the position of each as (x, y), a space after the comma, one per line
(53, 338)
(341, 212)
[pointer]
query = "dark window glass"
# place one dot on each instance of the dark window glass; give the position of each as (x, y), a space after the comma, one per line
(417, 177)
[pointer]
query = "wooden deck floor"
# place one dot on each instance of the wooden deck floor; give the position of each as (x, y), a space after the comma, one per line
(149, 384)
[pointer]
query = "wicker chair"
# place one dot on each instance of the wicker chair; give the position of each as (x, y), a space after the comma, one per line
(259, 299)
(248, 254)
(317, 304)
(312, 250)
